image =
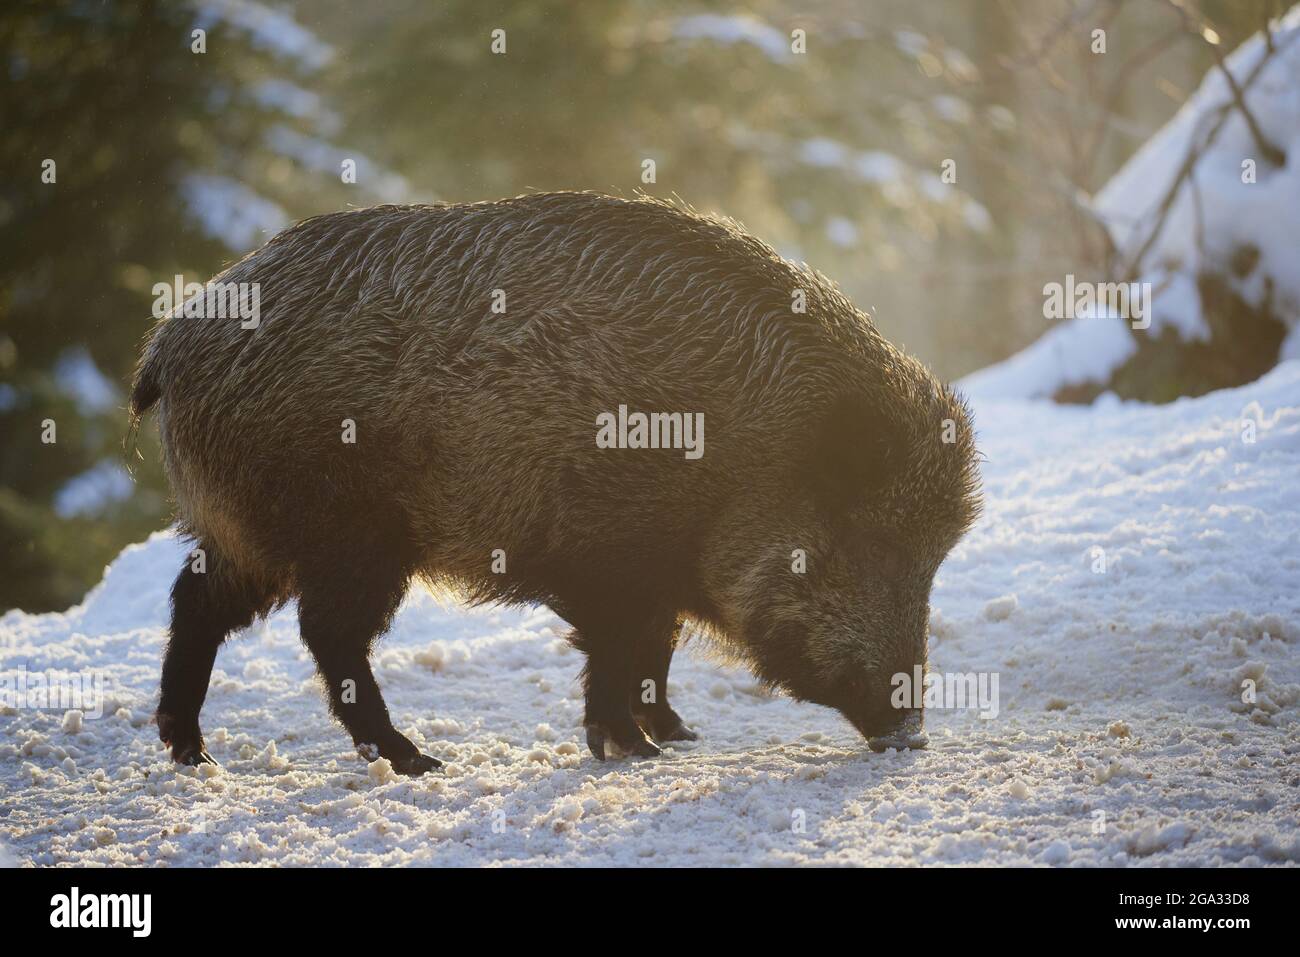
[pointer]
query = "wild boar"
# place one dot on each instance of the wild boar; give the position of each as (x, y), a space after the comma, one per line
(511, 399)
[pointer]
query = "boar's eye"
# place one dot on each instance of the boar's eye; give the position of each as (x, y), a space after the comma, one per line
(855, 450)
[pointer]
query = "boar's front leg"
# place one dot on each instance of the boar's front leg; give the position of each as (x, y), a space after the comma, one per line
(345, 604)
(609, 642)
(649, 692)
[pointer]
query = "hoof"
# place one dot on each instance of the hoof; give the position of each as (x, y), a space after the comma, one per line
(185, 740)
(193, 757)
(666, 728)
(401, 754)
(605, 745)
(417, 765)
(680, 733)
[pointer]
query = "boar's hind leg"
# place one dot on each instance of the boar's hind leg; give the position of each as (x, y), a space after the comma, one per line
(611, 730)
(346, 601)
(206, 606)
(649, 694)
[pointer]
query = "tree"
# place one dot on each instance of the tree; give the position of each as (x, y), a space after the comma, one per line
(130, 157)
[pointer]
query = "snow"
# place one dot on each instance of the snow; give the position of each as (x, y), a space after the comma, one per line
(228, 210)
(911, 42)
(1133, 582)
(870, 166)
(100, 485)
(1290, 345)
(325, 157)
(953, 109)
(1176, 304)
(233, 211)
(293, 100)
(77, 375)
(1214, 217)
(275, 31)
(900, 184)
(1215, 214)
(1080, 350)
(842, 231)
(737, 28)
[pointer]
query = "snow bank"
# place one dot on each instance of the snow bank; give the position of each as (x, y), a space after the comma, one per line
(1074, 352)
(1219, 211)
(1134, 577)
(1236, 216)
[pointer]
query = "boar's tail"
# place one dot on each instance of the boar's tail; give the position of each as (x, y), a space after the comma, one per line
(146, 390)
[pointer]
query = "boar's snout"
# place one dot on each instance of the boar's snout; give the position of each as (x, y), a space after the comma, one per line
(886, 722)
(902, 728)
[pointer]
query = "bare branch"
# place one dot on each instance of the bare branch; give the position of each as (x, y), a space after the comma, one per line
(1119, 86)
(1203, 28)
(1038, 58)
(1194, 152)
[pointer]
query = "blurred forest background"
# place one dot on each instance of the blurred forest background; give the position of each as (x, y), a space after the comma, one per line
(171, 161)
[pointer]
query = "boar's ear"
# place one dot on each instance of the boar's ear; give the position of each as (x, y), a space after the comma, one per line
(856, 449)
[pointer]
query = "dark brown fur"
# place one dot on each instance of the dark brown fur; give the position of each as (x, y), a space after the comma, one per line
(476, 431)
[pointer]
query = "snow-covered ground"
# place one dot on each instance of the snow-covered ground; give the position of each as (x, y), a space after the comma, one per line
(1121, 735)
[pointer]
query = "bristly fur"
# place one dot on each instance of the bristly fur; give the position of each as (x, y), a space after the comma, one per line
(475, 431)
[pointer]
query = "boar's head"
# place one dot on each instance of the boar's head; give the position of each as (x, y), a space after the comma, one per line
(884, 485)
